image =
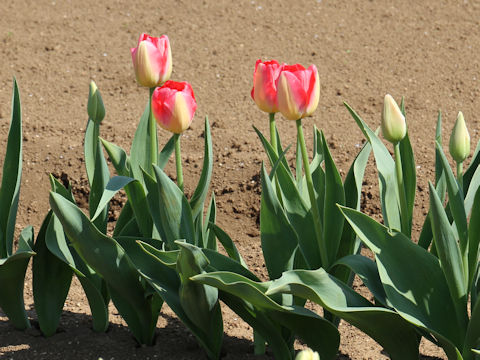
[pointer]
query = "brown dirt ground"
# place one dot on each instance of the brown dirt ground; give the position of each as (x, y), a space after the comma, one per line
(426, 51)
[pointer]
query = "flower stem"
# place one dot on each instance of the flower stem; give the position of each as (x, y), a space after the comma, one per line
(152, 125)
(460, 175)
(178, 161)
(317, 221)
(401, 190)
(273, 133)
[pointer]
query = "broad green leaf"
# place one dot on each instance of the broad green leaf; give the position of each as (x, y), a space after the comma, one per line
(386, 175)
(170, 209)
(12, 278)
(305, 324)
(474, 238)
(139, 203)
(108, 259)
(165, 153)
(457, 207)
(114, 185)
(279, 240)
(409, 176)
(472, 337)
(412, 278)
(199, 301)
(227, 244)
(367, 271)
(271, 154)
(333, 218)
(11, 177)
(472, 190)
(90, 148)
(126, 215)
(219, 262)
(100, 179)
(51, 281)
(383, 325)
(472, 168)
(353, 192)
(210, 217)
(140, 150)
(449, 255)
(198, 198)
(118, 156)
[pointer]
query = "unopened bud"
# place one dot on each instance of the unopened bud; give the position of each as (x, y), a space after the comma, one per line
(307, 354)
(394, 127)
(95, 107)
(460, 140)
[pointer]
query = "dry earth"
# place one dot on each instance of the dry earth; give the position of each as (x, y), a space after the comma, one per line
(426, 51)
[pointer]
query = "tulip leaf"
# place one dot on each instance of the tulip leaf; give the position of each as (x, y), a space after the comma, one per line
(386, 175)
(472, 336)
(51, 282)
(12, 278)
(109, 260)
(198, 198)
(349, 243)
(474, 238)
(385, 326)
(166, 152)
(472, 191)
(412, 278)
(11, 177)
(210, 217)
(270, 151)
(472, 168)
(118, 156)
(227, 244)
(114, 185)
(367, 271)
(140, 151)
(170, 209)
(279, 239)
(304, 323)
(409, 177)
(457, 207)
(333, 218)
(100, 179)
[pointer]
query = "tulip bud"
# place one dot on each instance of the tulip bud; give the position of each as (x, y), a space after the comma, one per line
(460, 140)
(152, 60)
(307, 354)
(174, 105)
(264, 91)
(394, 127)
(298, 91)
(95, 107)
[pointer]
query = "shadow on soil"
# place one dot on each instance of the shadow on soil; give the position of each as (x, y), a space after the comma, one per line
(76, 340)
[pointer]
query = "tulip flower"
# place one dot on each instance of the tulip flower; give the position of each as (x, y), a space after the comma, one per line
(173, 107)
(307, 354)
(460, 140)
(459, 145)
(264, 91)
(95, 107)
(298, 91)
(394, 127)
(152, 60)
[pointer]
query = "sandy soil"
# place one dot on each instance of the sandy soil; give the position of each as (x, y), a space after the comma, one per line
(426, 51)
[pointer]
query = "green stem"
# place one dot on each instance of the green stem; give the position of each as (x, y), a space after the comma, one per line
(460, 175)
(178, 161)
(317, 221)
(152, 124)
(273, 133)
(401, 190)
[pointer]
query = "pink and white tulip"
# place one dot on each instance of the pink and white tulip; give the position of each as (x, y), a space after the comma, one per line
(152, 60)
(264, 91)
(298, 91)
(174, 105)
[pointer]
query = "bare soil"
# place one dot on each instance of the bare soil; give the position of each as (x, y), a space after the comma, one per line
(426, 51)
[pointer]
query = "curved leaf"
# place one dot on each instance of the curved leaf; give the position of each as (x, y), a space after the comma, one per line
(118, 156)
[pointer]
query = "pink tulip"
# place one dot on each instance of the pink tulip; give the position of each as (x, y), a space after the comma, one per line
(152, 60)
(298, 91)
(174, 105)
(264, 91)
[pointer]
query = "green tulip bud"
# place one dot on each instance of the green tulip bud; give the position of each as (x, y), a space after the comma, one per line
(394, 126)
(460, 140)
(95, 107)
(307, 354)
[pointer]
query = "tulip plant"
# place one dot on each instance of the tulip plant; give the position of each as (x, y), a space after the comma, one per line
(13, 265)
(417, 292)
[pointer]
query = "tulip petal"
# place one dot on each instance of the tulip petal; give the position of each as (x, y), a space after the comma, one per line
(313, 91)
